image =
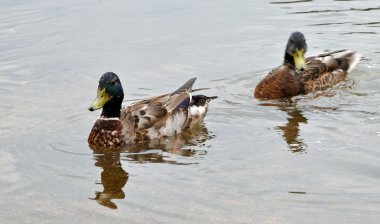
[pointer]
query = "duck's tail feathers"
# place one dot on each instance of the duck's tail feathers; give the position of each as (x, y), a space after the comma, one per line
(211, 98)
(201, 100)
(200, 89)
(352, 58)
(185, 87)
(345, 61)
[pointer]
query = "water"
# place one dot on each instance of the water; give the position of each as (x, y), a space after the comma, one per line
(312, 160)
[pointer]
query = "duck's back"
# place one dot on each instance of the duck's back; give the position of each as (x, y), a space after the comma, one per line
(325, 72)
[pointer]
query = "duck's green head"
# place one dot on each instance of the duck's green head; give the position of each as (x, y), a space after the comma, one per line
(295, 51)
(110, 94)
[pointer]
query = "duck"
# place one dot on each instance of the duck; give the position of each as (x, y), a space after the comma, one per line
(154, 118)
(299, 75)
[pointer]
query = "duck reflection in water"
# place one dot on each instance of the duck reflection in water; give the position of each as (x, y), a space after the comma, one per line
(168, 150)
(173, 149)
(113, 179)
(290, 131)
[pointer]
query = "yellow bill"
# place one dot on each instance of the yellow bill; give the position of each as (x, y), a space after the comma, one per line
(299, 59)
(100, 100)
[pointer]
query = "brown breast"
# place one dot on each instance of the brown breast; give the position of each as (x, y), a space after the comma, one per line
(107, 133)
(279, 83)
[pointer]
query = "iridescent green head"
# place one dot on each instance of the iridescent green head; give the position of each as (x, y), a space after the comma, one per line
(295, 51)
(110, 95)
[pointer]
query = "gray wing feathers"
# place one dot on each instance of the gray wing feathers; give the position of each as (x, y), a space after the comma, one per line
(155, 110)
(186, 88)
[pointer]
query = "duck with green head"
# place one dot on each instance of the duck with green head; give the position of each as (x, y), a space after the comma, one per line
(299, 75)
(156, 117)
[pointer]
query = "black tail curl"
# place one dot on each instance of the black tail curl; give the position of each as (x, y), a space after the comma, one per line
(201, 100)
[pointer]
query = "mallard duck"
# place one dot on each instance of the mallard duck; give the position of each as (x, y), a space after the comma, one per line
(298, 75)
(156, 117)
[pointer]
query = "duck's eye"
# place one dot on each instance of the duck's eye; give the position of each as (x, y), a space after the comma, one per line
(112, 82)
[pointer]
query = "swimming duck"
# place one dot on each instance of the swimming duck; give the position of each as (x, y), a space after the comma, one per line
(298, 75)
(156, 117)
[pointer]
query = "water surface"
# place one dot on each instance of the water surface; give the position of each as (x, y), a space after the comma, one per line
(314, 159)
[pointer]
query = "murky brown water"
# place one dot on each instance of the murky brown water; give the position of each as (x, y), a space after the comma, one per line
(312, 160)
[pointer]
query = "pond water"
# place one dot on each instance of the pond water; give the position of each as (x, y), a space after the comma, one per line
(312, 160)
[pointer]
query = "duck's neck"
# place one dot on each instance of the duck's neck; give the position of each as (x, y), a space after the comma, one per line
(289, 59)
(111, 109)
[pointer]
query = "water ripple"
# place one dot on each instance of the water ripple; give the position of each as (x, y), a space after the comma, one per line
(337, 10)
(290, 2)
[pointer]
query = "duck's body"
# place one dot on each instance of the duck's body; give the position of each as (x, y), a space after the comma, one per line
(156, 117)
(298, 75)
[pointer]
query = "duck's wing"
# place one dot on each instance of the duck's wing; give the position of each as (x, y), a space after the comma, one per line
(154, 111)
(320, 64)
(181, 98)
(325, 70)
